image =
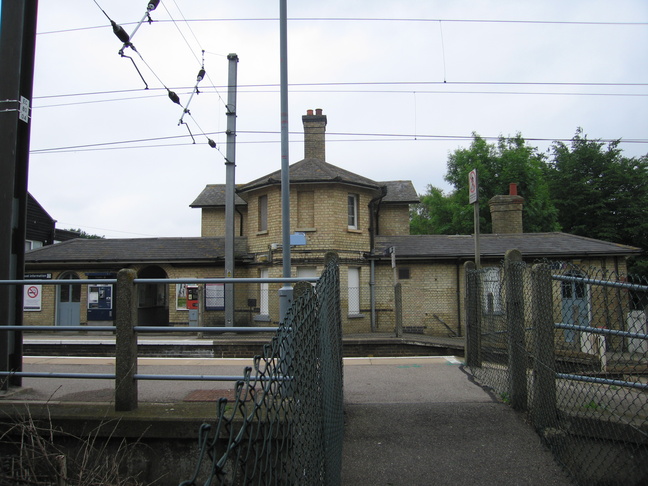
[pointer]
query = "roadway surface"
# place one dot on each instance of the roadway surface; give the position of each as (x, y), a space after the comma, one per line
(409, 421)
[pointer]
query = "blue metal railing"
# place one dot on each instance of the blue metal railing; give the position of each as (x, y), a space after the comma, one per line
(142, 329)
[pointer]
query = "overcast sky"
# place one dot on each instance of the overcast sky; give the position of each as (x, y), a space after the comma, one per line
(403, 83)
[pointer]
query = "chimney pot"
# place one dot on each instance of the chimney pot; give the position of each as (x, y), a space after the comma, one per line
(513, 189)
(314, 135)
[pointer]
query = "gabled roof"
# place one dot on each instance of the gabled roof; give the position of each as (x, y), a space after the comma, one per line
(402, 192)
(532, 245)
(312, 171)
(214, 195)
(202, 250)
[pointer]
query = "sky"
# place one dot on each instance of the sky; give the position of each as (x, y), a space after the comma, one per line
(403, 84)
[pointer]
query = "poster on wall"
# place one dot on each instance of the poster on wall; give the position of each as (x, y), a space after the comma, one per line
(32, 297)
(214, 296)
(181, 296)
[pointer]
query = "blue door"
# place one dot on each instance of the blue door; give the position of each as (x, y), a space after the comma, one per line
(574, 307)
(68, 307)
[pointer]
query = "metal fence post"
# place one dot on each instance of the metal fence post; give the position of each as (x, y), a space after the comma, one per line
(398, 309)
(473, 327)
(543, 406)
(126, 341)
(517, 359)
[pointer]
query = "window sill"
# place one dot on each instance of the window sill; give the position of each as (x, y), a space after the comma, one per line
(260, 233)
(262, 318)
(355, 316)
(306, 230)
(352, 230)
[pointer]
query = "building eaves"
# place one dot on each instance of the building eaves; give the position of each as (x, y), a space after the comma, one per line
(136, 250)
(531, 245)
(213, 195)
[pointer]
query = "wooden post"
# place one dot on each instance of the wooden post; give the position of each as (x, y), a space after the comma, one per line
(517, 355)
(126, 341)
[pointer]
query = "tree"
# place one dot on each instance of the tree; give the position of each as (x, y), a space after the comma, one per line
(83, 234)
(600, 193)
(497, 165)
(440, 214)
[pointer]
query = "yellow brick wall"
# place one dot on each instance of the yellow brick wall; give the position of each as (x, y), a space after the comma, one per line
(213, 221)
(394, 220)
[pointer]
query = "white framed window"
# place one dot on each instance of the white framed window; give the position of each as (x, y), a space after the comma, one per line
(354, 290)
(263, 213)
(264, 294)
(352, 212)
(492, 290)
(306, 272)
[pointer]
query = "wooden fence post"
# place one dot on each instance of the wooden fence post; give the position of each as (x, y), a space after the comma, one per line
(517, 355)
(126, 341)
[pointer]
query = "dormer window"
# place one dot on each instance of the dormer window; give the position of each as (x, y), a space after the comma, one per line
(352, 211)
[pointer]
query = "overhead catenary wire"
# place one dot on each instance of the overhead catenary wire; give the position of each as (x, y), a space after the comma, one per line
(370, 19)
(172, 95)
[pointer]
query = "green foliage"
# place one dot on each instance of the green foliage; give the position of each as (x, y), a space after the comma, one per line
(498, 165)
(600, 193)
(585, 187)
(83, 234)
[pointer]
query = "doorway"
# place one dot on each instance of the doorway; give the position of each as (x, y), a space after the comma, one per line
(153, 301)
(68, 302)
(575, 310)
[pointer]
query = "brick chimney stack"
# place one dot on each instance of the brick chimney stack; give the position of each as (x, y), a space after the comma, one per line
(314, 130)
(506, 212)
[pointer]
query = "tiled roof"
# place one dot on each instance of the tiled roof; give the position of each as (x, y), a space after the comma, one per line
(532, 245)
(214, 195)
(312, 170)
(136, 250)
(400, 192)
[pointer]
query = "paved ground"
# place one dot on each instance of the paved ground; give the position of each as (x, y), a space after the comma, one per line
(424, 422)
(409, 421)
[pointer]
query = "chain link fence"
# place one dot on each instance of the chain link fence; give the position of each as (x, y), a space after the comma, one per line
(569, 346)
(285, 425)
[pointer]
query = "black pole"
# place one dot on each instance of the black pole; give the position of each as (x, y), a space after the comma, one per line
(17, 47)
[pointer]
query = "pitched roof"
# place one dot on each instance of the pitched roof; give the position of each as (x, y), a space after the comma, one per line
(214, 195)
(311, 171)
(400, 192)
(136, 250)
(532, 245)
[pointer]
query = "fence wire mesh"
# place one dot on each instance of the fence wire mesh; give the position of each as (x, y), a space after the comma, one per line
(569, 346)
(285, 425)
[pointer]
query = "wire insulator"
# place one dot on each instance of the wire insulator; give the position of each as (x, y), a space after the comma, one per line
(120, 33)
(152, 5)
(174, 97)
(201, 75)
(211, 143)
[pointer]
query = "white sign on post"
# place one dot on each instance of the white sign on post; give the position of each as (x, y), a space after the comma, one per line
(472, 186)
